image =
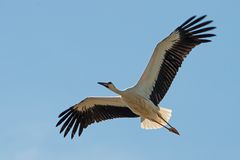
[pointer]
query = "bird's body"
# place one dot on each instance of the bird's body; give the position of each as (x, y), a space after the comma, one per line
(139, 104)
(142, 99)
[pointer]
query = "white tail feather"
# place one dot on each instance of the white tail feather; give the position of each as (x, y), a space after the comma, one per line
(148, 124)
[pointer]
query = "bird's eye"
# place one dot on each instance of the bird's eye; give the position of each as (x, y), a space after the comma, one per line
(109, 82)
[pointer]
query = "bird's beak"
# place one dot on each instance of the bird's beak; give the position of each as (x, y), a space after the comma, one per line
(103, 84)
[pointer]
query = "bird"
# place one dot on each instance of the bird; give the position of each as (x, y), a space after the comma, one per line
(142, 100)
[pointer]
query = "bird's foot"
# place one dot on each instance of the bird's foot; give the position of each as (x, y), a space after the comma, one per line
(174, 130)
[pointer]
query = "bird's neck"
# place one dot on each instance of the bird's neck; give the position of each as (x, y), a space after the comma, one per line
(115, 90)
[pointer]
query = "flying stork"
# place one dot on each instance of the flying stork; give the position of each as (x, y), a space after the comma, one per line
(142, 99)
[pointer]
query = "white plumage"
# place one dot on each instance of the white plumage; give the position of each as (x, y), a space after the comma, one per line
(142, 100)
(148, 124)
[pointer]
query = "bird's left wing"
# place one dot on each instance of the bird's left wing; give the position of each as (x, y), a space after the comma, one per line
(169, 55)
(90, 110)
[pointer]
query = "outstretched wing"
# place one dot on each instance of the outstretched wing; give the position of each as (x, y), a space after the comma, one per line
(169, 55)
(90, 110)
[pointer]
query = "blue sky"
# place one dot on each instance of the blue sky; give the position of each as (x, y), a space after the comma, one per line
(52, 53)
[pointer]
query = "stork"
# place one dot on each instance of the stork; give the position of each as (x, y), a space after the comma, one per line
(142, 99)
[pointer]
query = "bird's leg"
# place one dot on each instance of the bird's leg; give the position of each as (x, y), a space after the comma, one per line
(171, 129)
(163, 125)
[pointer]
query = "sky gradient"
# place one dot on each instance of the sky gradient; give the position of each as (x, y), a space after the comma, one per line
(53, 53)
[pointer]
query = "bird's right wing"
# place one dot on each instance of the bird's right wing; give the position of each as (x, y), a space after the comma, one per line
(169, 55)
(90, 110)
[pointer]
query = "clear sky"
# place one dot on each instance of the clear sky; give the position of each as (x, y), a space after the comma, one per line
(52, 53)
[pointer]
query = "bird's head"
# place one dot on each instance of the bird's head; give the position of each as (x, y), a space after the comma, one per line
(106, 84)
(110, 86)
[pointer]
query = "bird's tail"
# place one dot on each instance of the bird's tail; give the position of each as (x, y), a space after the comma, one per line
(148, 124)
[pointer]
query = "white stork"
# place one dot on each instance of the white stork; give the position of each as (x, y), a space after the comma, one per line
(142, 100)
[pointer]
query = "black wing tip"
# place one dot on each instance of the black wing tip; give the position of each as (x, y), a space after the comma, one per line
(71, 120)
(68, 118)
(186, 22)
(65, 134)
(213, 27)
(205, 40)
(65, 111)
(211, 35)
(65, 114)
(58, 123)
(194, 30)
(192, 21)
(200, 18)
(210, 28)
(203, 16)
